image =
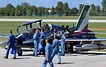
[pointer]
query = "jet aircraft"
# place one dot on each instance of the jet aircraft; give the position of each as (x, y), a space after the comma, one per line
(81, 37)
(25, 31)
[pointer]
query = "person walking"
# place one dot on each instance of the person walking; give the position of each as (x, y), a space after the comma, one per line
(56, 44)
(48, 53)
(11, 45)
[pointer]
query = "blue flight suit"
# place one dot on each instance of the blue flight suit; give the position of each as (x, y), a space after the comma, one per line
(11, 45)
(56, 44)
(36, 44)
(48, 50)
(42, 38)
(63, 44)
(42, 42)
(56, 34)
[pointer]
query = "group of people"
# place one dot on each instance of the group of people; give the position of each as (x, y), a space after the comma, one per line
(50, 46)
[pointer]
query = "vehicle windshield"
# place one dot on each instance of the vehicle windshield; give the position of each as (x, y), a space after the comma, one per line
(27, 29)
(26, 32)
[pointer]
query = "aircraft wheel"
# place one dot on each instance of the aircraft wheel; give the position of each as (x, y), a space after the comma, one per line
(19, 52)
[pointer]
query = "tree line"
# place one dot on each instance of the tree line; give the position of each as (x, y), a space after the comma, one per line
(62, 9)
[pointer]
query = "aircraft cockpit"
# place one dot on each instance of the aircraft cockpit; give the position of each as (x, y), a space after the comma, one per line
(27, 27)
(47, 27)
(27, 32)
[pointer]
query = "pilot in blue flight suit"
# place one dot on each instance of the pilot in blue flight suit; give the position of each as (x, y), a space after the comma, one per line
(48, 53)
(36, 42)
(62, 38)
(55, 33)
(11, 45)
(56, 44)
(42, 40)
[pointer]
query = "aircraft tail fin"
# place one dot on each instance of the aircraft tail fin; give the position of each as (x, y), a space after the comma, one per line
(83, 19)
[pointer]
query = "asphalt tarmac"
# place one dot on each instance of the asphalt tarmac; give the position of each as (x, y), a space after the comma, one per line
(89, 59)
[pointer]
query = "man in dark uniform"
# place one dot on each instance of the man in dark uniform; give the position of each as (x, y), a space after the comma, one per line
(11, 44)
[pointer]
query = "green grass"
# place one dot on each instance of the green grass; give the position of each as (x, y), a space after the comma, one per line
(3, 39)
(39, 17)
(6, 26)
(97, 25)
(51, 17)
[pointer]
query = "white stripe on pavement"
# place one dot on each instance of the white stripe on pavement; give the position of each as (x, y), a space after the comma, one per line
(48, 20)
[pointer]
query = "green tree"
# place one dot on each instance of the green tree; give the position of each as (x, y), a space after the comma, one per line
(9, 10)
(18, 11)
(34, 11)
(29, 11)
(2, 11)
(41, 11)
(103, 7)
(74, 11)
(46, 12)
(66, 9)
(81, 7)
(53, 11)
(93, 10)
(59, 8)
(25, 7)
(98, 10)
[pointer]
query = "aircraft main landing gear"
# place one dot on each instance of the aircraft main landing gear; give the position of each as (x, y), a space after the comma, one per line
(19, 51)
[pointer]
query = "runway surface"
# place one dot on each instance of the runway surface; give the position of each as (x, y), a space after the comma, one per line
(48, 20)
(91, 59)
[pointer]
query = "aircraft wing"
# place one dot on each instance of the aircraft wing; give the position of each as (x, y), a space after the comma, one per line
(79, 40)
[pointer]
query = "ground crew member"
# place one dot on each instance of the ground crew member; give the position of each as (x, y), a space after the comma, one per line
(56, 44)
(55, 33)
(11, 45)
(62, 38)
(36, 42)
(48, 52)
(42, 40)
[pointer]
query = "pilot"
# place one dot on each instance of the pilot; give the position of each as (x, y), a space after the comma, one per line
(47, 27)
(11, 45)
(55, 33)
(36, 42)
(56, 44)
(48, 53)
(67, 28)
(42, 40)
(62, 38)
(62, 27)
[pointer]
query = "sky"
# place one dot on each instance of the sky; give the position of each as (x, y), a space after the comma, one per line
(50, 3)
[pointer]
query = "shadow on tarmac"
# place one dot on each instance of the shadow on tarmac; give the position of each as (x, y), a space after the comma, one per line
(23, 58)
(87, 53)
(68, 62)
(27, 55)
